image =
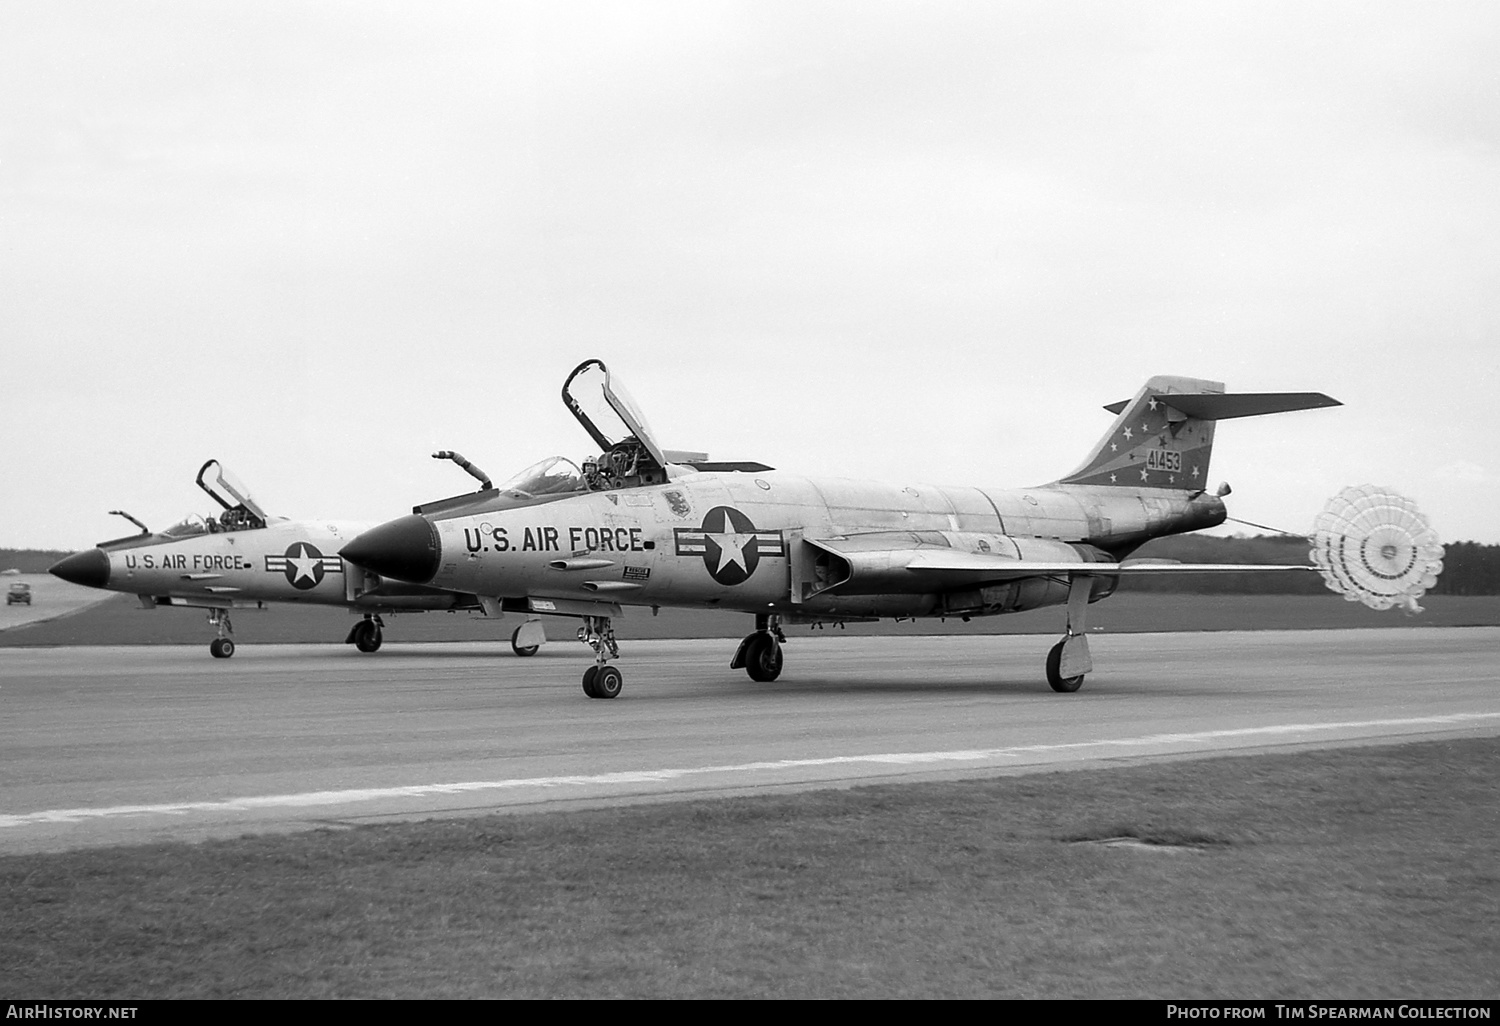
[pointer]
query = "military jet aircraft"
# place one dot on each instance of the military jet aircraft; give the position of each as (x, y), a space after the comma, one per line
(642, 526)
(244, 558)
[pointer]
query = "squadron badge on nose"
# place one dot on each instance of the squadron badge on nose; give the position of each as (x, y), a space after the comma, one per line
(730, 545)
(303, 565)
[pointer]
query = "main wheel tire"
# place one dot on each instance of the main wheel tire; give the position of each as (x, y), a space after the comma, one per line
(367, 636)
(763, 659)
(1067, 685)
(588, 680)
(529, 650)
(221, 648)
(608, 682)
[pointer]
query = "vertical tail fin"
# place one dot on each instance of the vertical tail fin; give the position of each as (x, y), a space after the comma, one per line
(1163, 438)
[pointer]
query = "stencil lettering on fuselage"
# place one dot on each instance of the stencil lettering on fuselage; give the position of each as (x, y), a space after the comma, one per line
(730, 545)
(303, 565)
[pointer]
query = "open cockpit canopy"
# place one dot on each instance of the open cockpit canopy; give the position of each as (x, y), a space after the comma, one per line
(629, 453)
(241, 511)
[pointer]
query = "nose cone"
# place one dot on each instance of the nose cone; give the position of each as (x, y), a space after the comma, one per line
(406, 549)
(89, 567)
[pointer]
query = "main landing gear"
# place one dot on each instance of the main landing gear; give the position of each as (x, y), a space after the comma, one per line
(367, 634)
(1069, 659)
(221, 647)
(760, 653)
(601, 680)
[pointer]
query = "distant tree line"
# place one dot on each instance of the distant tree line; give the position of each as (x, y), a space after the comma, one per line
(1469, 568)
(29, 561)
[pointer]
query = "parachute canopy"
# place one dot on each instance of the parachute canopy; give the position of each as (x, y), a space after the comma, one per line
(1374, 546)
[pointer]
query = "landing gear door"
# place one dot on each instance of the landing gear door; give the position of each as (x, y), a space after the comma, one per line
(606, 410)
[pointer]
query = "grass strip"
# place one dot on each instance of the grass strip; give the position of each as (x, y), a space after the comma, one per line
(1353, 873)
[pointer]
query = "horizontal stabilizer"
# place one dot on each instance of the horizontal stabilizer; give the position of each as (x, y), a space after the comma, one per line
(1164, 437)
(1229, 405)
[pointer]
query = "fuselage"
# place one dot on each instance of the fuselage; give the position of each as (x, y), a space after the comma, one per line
(284, 561)
(779, 543)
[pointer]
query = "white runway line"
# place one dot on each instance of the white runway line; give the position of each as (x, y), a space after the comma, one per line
(315, 799)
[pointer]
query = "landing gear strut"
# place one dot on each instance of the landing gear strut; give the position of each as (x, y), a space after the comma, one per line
(1069, 659)
(601, 680)
(367, 634)
(760, 653)
(221, 647)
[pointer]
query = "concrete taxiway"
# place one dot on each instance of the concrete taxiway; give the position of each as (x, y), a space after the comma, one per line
(125, 745)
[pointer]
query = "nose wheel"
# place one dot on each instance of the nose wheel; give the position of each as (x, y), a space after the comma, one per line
(221, 647)
(601, 680)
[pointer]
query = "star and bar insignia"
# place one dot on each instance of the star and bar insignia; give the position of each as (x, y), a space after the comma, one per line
(304, 566)
(731, 546)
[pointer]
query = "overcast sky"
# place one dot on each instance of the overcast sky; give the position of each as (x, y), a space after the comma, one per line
(916, 241)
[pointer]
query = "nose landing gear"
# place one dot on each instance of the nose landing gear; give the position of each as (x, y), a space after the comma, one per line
(601, 680)
(221, 647)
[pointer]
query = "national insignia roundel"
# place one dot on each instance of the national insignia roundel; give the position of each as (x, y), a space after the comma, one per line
(303, 565)
(731, 546)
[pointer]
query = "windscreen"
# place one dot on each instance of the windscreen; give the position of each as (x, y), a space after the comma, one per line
(557, 475)
(187, 527)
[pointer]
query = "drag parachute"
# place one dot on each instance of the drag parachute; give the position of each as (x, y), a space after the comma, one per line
(1374, 546)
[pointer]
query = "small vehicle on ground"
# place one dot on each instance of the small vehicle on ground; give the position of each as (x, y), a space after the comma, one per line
(19, 593)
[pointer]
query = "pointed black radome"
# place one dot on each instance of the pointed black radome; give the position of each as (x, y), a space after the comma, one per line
(89, 568)
(406, 549)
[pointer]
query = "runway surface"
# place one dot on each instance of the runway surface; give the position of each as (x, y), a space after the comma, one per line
(109, 745)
